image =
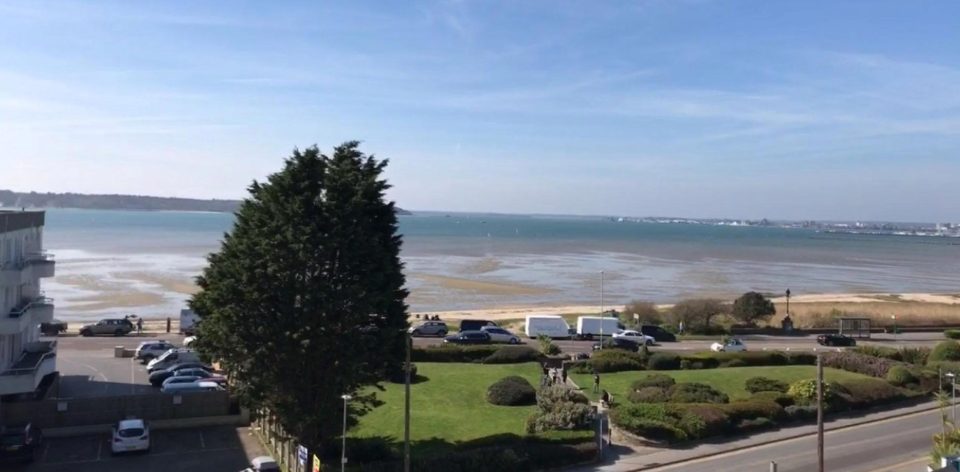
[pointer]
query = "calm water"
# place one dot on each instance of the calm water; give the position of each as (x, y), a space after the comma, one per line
(521, 260)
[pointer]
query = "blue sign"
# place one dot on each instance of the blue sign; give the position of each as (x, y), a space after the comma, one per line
(302, 455)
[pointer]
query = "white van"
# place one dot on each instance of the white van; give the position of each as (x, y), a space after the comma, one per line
(171, 358)
(549, 325)
(590, 326)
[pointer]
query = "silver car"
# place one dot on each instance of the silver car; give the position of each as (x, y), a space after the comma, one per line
(430, 328)
(500, 335)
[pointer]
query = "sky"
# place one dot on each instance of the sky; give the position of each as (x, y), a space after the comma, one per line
(697, 108)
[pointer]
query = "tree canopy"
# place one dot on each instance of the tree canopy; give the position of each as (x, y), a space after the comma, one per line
(639, 312)
(304, 301)
(696, 313)
(752, 307)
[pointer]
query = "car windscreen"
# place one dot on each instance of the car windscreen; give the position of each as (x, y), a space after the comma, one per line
(130, 433)
(11, 439)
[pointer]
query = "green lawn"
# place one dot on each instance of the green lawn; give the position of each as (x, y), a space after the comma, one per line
(727, 380)
(449, 405)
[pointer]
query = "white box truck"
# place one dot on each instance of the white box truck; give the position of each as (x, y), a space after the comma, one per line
(188, 322)
(590, 326)
(553, 326)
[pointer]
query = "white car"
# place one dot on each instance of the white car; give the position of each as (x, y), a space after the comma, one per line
(130, 435)
(195, 386)
(729, 345)
(262, 464)
(149, 350)
(635, 336)
(500, 335)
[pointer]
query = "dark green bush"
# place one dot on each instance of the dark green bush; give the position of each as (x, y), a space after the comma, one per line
(563, 416)
(734, 363)
(663, 361)
(900, 376)
(512, 391)
(755, 424)
(861, 393)
(802, 358)
(879, 351)
(549, 397)
(945, 351)
(513, 355)
(453, 353)
(752, 409)
(741, 359)
(763, 384)
(779, 398)
(701, 420)
(696, 393)
(915, 355)
(653, 380)
(648, 395)
(801, 412)
(399, 375)
(615, 360)
(952, 333)
(651, 421)
(859, 363)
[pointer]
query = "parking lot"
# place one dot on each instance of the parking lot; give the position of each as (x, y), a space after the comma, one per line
(199, 450)
(88, 367)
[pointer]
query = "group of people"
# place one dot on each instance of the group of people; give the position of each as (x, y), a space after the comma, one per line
(427, 317)
(553, 376)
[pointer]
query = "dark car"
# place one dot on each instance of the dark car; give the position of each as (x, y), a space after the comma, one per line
(468, 337)
(157, 378)
(53, 328)
(475, 325)
(659, 334)
(618, 343)
(836, 340)
(19, 443)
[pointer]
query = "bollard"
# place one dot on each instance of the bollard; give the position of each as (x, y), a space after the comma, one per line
(168, 325)
(773, 466)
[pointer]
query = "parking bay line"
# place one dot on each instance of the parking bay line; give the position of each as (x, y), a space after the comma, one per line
(203, 444)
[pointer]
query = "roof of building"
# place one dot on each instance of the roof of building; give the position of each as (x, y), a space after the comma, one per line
(17, 220)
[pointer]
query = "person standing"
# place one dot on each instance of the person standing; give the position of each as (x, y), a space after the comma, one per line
(681, 326)
(139, 326)
(563, 375)
(596, 382)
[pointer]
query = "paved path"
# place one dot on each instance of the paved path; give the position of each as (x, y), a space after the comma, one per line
(893, 440)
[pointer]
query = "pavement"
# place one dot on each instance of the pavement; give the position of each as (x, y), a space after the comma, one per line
(893, 441)
(195, 450)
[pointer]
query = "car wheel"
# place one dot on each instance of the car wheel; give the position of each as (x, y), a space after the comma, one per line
(514, 341)
(85, 333)
(415, 332)
(442, 333)
(648, 343)
(118, 332)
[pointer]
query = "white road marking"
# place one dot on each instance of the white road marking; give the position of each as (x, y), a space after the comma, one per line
(203, 444)
(99, 449)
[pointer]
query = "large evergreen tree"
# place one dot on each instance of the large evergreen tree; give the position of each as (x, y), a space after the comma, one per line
(752, 307)
(304, 302)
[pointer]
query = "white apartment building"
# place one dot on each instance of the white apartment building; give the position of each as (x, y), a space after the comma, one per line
(24, 359)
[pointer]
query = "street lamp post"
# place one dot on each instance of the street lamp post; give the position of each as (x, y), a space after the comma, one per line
(953, 387)
(343, 448)
(788, 302)
(601, 310)
(406, 405)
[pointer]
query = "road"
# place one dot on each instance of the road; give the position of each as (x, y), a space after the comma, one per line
(894, 445)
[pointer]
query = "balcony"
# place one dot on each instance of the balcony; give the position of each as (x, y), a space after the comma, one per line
(32, 267)
(30, 312)
(38, 360)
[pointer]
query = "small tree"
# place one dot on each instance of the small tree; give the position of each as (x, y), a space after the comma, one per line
(697, 312)
(547, 347)
(639, 312)
(752, 307)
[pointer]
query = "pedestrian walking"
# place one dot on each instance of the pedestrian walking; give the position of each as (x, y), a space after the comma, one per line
(563, 375)
(596, 382)
(681, 326)
(139, 326)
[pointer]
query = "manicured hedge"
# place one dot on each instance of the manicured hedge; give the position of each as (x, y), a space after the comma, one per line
(695, 393)
(513, 355)
(453, 353)
(945, 351)
(763, 384)
(952, 333)
(859, 363)
(752, 409)
(512, 391)
(711, 360)
(911, 355)
(663, 361)
(648, 395)
(653, 380)
(900, 376)
(862, 393)
(609, 360)
(779, 398)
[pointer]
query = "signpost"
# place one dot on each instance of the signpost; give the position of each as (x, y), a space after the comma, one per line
(316, 464)
(302, 455)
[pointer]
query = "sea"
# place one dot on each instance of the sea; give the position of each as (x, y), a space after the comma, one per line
(116, 262)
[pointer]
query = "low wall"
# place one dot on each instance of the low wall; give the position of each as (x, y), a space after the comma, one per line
(57, 413)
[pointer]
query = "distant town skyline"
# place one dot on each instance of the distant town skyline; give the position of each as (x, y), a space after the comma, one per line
(815, 110)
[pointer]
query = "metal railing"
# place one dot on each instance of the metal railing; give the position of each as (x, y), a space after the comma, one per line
(50, 354)
(25, 306)
(29, 258)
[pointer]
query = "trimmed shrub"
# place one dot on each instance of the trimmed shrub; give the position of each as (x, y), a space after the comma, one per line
(615, 360)
(734, 363)
(740, 359)
(879, 351)
(804, 392)
(752, 409)
(900, 376)
(945, 351)
(952, 333)
(452, 353)
(859, 363)
(563, 416)
(862, 393)
(801, 412)
(802, 358)
(653, 380)
(696, 393)
(663, 361)
(779, 398)
(651, 421)
(549, 397)
(513, 355)
(763, 384)
(915, 355)
(700, 420)
(755, 424)
(512, 391)
(648, 395)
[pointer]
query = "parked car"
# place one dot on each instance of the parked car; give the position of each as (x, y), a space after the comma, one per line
(53, 328)
(262, 464)
(157, 378)
(468, 337)
(553, 326)
(836, 340)
(590, 326)
(430, 328)
(111, 326)
(500, 335)
(626, 344)
(196, 386)
(193, 375)
(635, 336)
(659, 334)
(475, 325)
(129, 436)
(189, 340)
(20, 443)
(178, 379)
(149, 350)
(172, 357)
(729, 345)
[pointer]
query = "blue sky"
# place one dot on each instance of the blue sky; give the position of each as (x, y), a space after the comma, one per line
(813, 109)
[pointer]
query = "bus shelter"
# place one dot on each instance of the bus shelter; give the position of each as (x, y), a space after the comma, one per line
(855, 327)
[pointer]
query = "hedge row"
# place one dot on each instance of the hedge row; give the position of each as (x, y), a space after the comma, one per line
(910, 355)
(672, 422)
(487, 354)
(618, 360)
(859, 363)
